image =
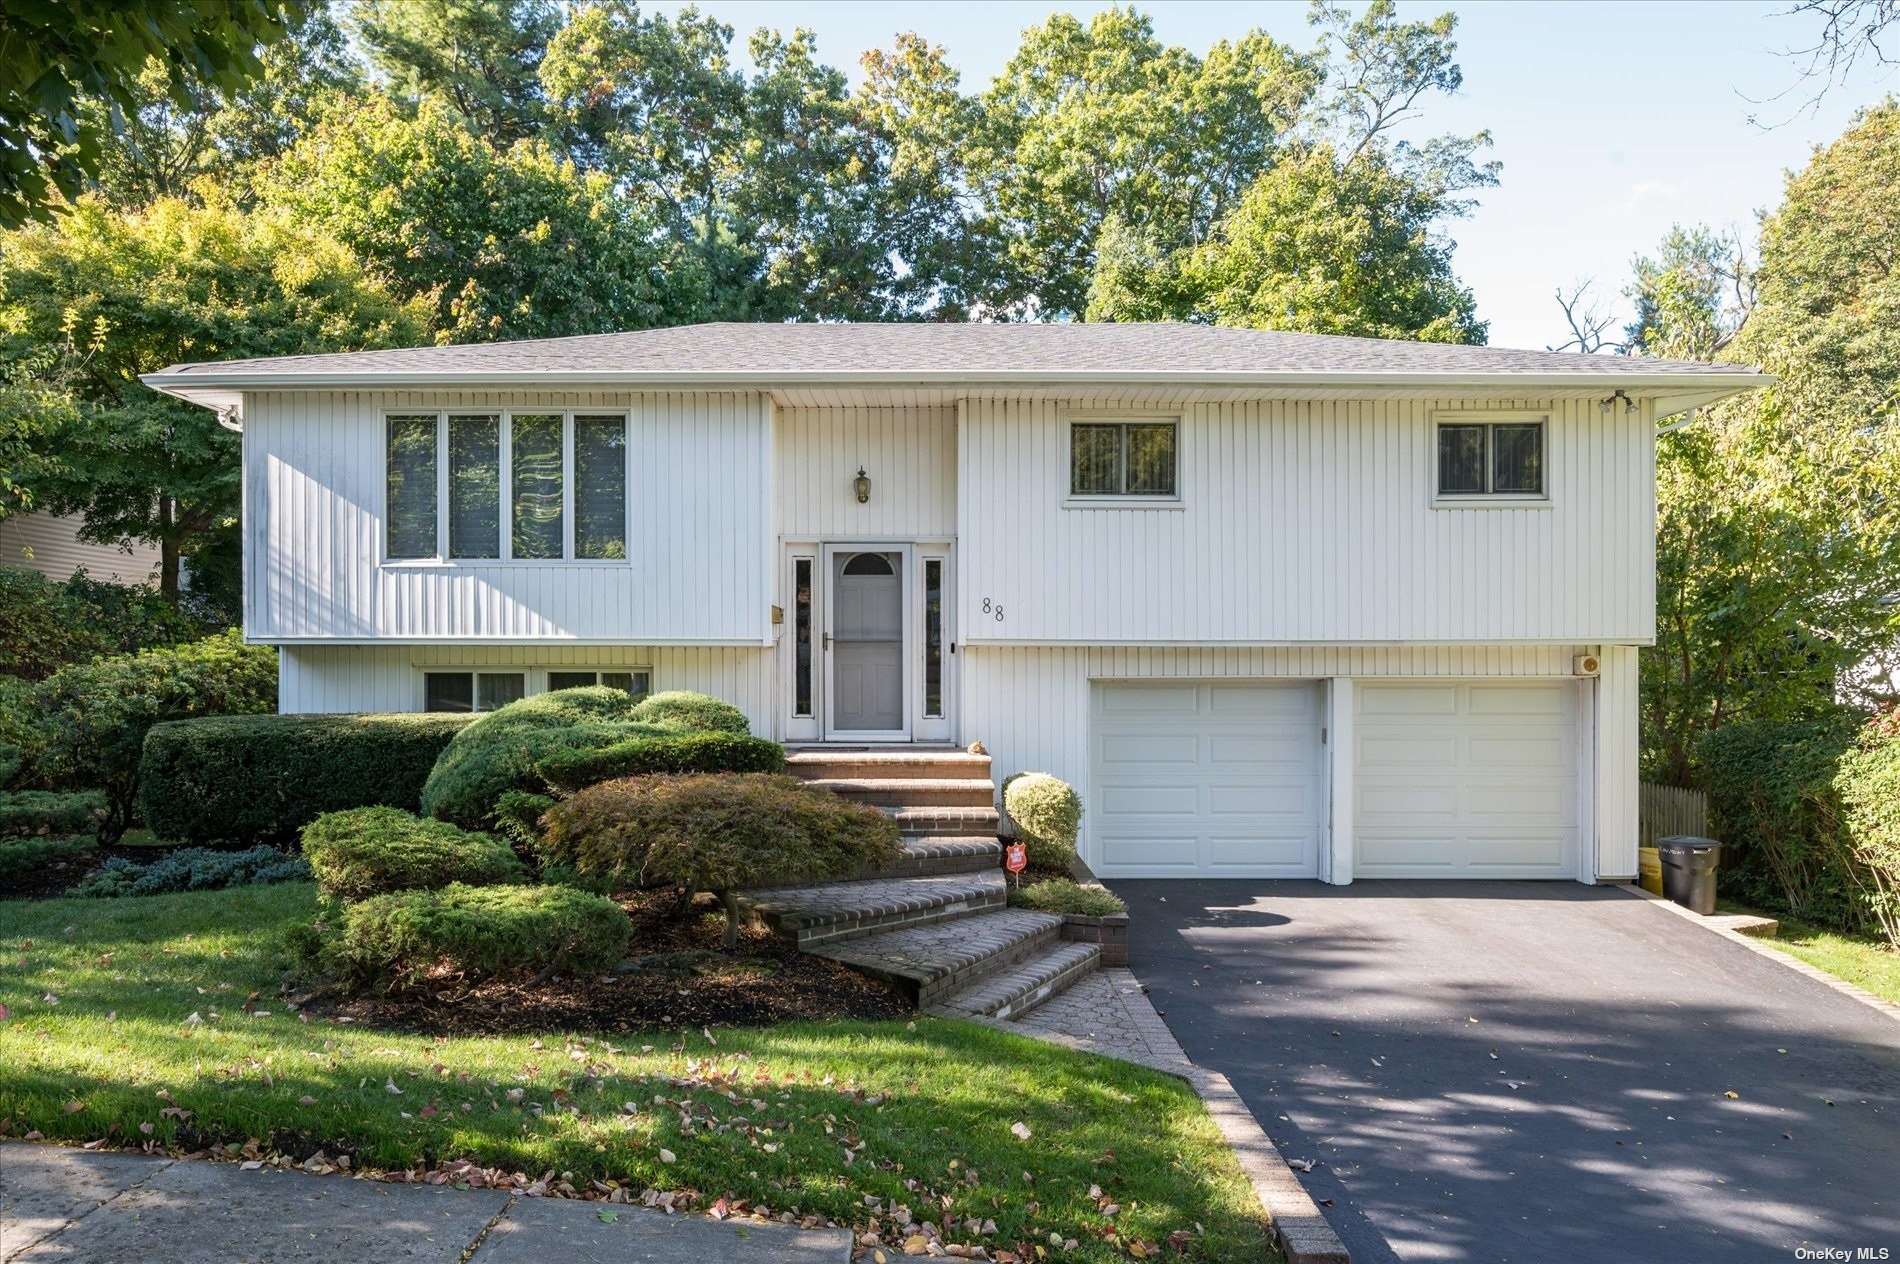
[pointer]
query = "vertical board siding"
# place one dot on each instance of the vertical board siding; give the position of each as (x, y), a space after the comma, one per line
(334, 678)
(699, 493)
(909, 454)
(1616, 766)
(1305, 522)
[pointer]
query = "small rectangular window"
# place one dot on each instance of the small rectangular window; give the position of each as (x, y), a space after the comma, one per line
(498, 689)
(633, 682)
(1124, 458)
(571, 679)
(411, 486)
(475, 486)
(600, 487)
(448, 691)
(933, 638)
(1491, 458)
(637, 683)
(801, 634)
(539, 530)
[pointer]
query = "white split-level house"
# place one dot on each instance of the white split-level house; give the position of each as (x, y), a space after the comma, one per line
(1277, 605)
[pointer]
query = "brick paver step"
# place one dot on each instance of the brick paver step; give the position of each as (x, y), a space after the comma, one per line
(837, 911)
(961, 821)
(944, 853)
(913, 792)
(1015, 992)
(934, 962)
(909, 763)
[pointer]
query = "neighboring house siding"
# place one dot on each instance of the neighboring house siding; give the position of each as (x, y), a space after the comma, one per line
(1304, 522)
(324, 678)
(51, 546)
(909, 454)
(700, 491)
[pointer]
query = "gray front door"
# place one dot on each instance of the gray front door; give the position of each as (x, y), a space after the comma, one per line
(867, 651)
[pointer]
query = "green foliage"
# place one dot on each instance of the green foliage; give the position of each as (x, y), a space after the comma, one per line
(476, 932)
(22, 732)
(502, 750)
(89, 303)
(1048, 814)
(680, 708)
(369, 851)
(22, 859)
(46, 624)
(1868, 783)
(264, 777)
(498, 242)
(56, 56)
(571, 770)
(1065, 895)
(96, 714)
(190, 869)
(715, 832)
(480, 59)
(50, 812)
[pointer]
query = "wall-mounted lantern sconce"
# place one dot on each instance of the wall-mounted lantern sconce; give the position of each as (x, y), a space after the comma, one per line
(862, 485)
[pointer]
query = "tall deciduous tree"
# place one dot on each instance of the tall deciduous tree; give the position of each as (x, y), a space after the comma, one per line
(500, 242)
(90, 303)
(55, 57)
(482, 58)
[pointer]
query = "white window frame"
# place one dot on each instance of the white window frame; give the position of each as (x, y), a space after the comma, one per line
(442, 560)
(547, 684)
(1122, 500)
(534, 680)
(1490, 500)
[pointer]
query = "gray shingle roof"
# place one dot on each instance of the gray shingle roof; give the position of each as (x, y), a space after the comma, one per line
(793, 351)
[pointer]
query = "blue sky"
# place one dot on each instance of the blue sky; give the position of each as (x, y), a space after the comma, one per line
(1613, 120)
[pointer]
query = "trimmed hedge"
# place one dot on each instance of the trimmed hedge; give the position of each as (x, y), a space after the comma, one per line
(191, 869)
(50, 812)
(571, 770)
(476, 932)
(715, 832)
(1048, 814)
(22, 858)
(264, 777)
(96, 715)
(683, 709)
(370, 851)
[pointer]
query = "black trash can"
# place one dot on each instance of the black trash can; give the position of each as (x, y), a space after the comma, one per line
(1688, 871)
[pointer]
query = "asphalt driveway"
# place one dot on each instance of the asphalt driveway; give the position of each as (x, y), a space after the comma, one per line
(1533, 1071)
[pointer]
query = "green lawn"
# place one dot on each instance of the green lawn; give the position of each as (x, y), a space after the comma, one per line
(121, 1009)
(1863, 960)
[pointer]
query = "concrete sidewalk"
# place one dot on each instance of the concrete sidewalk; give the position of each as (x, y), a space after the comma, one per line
(80, 1205)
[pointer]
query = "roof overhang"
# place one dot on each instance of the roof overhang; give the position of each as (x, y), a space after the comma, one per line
(1672, 392)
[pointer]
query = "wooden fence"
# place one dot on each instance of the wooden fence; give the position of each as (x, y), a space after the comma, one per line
(1665, 810)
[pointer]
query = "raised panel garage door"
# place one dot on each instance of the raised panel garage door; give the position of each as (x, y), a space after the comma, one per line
(1462, 780)
(1195, 778)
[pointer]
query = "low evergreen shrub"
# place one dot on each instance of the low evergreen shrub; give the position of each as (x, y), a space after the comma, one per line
(475, 932)
(363, 852)
(51, 812)
(1048, 815)
(191, 869)
(697, 712)
(718, 832)
(264, 777)
(1065, 895)
(572, 770)
(21, 859)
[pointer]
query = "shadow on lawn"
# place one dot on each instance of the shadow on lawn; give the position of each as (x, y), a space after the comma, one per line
(1532, 1071)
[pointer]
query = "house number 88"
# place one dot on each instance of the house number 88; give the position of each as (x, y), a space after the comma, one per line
(993, 608)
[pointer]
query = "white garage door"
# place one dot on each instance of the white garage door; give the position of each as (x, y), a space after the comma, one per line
(1206, 779)
(1459, 780)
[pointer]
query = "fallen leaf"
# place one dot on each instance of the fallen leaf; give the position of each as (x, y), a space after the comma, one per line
(1300, 1165)
(389, 1087)
(667, 1156)
(74, 1107)
(1020, 1130)
(608, 1215)
(306, 1100)
(1732, 1095)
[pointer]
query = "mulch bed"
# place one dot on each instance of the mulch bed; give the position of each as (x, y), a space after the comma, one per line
(678, 977)
(50, 880)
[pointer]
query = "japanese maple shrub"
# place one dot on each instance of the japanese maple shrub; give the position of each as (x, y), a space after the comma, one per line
(716, 832)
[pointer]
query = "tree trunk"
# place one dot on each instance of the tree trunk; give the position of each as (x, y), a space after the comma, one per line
(167, 548)
(730, 900)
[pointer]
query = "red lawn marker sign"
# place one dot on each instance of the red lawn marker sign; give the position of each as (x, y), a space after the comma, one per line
(1016, 857)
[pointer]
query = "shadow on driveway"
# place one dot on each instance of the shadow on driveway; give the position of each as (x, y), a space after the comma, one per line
(1518, 1071)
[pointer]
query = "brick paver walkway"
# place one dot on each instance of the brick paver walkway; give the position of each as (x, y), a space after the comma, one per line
(1107, 1012)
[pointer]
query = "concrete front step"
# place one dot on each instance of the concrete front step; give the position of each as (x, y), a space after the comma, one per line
(825, 763)
(835, 912)
(913, 792)
(932, 963)
(1014, 993)
(945, 821)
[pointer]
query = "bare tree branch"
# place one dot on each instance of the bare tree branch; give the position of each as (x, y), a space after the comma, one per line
(1851, 35)
(1587, 322)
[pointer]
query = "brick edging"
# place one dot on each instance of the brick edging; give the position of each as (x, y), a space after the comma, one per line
(1853, 992)
(1298, 1224)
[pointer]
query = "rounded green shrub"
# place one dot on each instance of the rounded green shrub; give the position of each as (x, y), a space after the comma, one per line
(502, 750)
(250, 777)
(696, 712)
(1065, 895)
(50, 812)
(717, 832)
(1048, 815)
(363, 852)
(571, 770)
(475, 932)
